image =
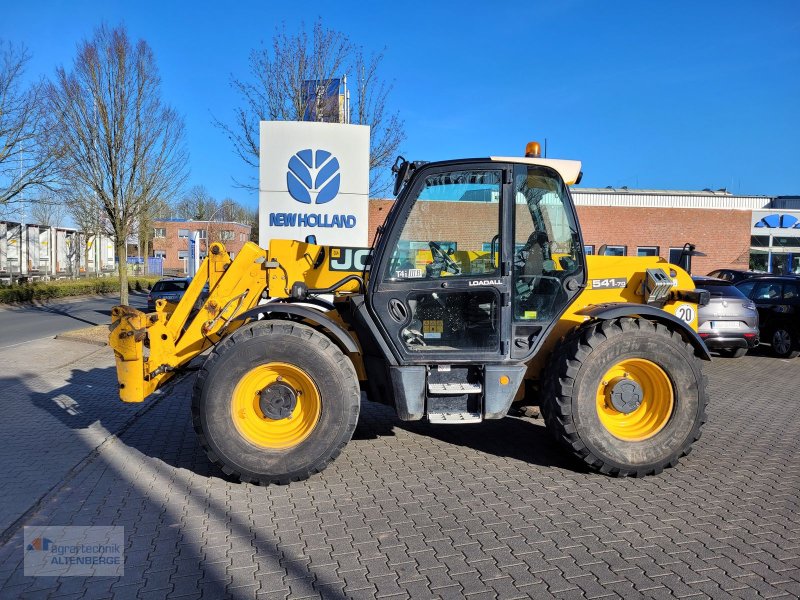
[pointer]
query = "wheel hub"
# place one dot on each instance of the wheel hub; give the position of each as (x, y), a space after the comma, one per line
(626, 395)
(278, 400)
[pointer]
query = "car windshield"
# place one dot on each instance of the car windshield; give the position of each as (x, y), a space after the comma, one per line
(170, 286)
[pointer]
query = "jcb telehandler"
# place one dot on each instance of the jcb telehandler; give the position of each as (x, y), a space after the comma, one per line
(477, 295)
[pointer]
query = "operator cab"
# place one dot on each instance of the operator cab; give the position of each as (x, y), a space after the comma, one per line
(476, 262)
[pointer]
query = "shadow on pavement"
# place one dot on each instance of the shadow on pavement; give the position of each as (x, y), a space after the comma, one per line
(89, 397)
(515, 438)
(62, 311)
(86, 400)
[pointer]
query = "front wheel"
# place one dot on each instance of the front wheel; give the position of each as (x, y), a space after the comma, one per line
(275, 402)
(626, 396)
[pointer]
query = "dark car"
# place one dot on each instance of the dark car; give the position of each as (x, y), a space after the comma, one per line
(729, 322)
(171, 290)
(735, 275)
(778, 301)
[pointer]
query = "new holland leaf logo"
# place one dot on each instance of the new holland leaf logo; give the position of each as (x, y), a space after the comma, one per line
(313, 176)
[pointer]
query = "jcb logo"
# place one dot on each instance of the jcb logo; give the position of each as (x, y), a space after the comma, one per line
(349, 259)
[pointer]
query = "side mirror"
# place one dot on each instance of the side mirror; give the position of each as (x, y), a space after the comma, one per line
(311, 239)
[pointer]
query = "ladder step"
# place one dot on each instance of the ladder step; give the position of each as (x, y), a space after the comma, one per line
(453, 389)
(454, 418)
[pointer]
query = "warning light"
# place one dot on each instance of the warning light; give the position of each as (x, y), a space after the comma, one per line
(533, 150)
(504, 380)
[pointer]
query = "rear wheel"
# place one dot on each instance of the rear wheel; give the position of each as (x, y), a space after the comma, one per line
(784, 344)
(626, 396)
(275, 402)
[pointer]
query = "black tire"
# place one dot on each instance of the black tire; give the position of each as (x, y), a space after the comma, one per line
(783, 342)
(575, 371)
(254, 345)
(733, 352)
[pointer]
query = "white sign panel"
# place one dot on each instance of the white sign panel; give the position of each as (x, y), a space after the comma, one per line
(314, 180)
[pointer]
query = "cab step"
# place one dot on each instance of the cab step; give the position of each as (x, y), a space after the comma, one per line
(454, 418)
(454, 388)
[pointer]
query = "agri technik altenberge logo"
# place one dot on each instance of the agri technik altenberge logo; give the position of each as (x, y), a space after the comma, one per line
(313, 177)
(79, 551)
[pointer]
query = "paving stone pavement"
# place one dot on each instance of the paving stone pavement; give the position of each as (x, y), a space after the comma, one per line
(57, 400)
(419, 511)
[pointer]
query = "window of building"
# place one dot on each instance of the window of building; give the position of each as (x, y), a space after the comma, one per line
(615, 251)
(159, 232)
(647, 251)
(226, 235)
(203, 233)
(159, 253)
(241, 237)
(183, 233)
(183, 254)
(676, 257)
(588, 250)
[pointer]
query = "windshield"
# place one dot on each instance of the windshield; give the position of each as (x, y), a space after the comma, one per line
(720, 289)
(170, 286)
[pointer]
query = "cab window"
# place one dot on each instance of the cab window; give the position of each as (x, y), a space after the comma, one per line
(547, 247)
(452, 228)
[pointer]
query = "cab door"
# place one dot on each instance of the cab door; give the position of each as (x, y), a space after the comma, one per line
(440, 286)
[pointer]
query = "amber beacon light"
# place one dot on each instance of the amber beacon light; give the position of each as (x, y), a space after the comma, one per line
(533, 150)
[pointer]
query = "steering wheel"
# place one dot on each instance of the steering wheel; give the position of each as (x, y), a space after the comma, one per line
(439, 254)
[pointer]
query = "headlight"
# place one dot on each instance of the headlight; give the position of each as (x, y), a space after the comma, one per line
(749, 306)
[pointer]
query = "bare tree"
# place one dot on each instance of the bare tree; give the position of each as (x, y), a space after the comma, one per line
(197, 204)
(90, 218)
(278, 90)
(121, 145)
(48, 210)
(26, 157)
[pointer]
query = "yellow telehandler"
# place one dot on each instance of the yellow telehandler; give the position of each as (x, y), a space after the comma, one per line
(476, 296)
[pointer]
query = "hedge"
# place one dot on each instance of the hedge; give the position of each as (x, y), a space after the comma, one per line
(72, 287)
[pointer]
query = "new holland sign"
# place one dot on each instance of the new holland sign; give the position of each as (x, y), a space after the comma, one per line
(314, 180)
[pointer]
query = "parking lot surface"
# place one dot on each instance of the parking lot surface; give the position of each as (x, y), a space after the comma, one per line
(414, 510)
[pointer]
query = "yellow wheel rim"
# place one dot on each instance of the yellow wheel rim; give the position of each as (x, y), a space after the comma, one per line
(276, 434)
(657, 400)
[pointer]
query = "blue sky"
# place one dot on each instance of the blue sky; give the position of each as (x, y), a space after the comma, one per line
(675, 95)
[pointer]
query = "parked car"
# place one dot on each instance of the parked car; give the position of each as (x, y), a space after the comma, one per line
(172, 290)
(729, 322)
(735, 275)
(778, 301)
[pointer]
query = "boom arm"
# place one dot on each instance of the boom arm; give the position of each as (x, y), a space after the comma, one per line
(175, 334)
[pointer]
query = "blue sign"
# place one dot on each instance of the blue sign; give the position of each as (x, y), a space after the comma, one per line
(777, 221)
(302, 181)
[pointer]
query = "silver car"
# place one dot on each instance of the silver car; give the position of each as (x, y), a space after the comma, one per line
(729, 322)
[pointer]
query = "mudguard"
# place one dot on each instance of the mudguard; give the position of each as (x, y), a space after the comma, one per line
(615, 310)
(316, 316)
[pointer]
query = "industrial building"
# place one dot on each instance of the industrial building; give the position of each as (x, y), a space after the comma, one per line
(728, 230)
(32, 252)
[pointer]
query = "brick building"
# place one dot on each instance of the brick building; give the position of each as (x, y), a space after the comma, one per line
(172, 237)
(738, 232)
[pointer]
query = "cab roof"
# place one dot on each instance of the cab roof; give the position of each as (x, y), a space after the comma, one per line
(568, 169)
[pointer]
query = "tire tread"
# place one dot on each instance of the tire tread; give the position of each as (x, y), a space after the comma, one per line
(563, 367)
(265, 329)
